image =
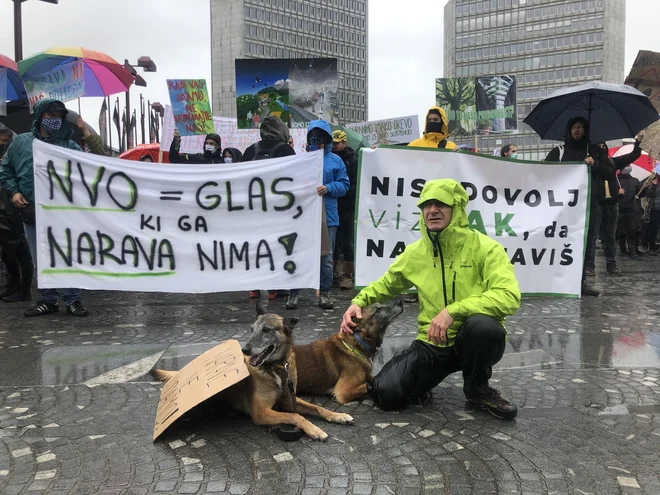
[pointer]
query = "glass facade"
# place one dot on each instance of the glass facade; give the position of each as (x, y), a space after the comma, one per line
(547, 44)
(310, 28)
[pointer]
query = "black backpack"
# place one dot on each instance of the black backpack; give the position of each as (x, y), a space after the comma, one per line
(265, 154)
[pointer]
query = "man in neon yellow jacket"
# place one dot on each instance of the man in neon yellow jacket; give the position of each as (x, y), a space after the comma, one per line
(466, 287)
(436, 131)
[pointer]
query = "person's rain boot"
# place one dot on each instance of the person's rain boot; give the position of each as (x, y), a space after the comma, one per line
(292, 301)
(324, 301)
(337, 273)
(588, 290)
(347, 278)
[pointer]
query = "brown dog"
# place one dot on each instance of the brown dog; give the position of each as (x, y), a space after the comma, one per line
(342, 364)
(268, 395)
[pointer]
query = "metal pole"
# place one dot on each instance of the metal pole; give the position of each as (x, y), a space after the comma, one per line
(18, 30)
(109, 117)
(128, 120)
(142, 117)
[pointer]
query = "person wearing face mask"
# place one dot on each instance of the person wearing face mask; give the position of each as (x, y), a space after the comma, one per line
(17, 177)
(435, 132)
(212, 150)
(509, 151)
(467, 287)
(231, 155)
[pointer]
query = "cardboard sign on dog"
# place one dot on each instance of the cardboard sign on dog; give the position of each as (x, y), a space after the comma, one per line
(212, 372)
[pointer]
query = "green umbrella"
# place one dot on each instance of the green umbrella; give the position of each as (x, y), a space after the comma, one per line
(354, 139)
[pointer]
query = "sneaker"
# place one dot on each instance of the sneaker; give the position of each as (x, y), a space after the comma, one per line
(292, 301)
(590, 272)
(614, 270)
(589, 291)
(17, 297)
(411, 298)
(495, 404)
(255, 294)
(325, 302)
(42, 308)
(76, 309)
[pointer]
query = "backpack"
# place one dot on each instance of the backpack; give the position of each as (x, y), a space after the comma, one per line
(265, 154)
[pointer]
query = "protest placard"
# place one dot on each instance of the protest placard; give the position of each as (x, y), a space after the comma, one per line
(537, 211)
(63, 83)
(191, 106)
(389, 131)
(230, 134)
(104, 223)
(207, 375)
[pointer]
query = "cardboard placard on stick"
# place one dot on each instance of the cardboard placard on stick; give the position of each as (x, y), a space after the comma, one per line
(212, 372)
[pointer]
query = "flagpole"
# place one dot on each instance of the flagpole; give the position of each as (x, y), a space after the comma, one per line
(79, 112)
(109, 117)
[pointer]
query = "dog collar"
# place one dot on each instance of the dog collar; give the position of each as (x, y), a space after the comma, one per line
(353, 350)
(366, 347)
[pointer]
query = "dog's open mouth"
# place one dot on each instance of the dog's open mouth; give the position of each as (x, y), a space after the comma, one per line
(258, 359)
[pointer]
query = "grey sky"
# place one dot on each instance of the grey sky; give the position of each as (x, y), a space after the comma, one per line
(405, 43)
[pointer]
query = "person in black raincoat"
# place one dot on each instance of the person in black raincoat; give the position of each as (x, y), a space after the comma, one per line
(212, 150)
(630, 223)
(231, 155)
(274, 141)
(576, 148)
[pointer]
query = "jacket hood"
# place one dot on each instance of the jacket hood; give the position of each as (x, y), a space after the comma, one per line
(64, 133)
(570, 123)
(443, 116)
(324, 126)
(272, 128)
(452, 193)
(215, 138)
(235, 154)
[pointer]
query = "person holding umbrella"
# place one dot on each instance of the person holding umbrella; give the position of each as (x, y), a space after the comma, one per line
(576, 148)
(17, 177)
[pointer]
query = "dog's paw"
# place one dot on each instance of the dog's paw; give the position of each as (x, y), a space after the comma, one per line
(316, 433)
(342, 419)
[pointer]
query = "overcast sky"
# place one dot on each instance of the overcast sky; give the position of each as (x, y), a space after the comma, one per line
(405, 43)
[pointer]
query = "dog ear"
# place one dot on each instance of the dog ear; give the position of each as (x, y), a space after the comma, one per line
(262, 308)
(289, 323)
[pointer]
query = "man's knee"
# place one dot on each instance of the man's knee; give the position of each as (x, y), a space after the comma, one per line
(482, 327)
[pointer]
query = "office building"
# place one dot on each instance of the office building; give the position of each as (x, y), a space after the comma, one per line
(547, 44)
(291, 29)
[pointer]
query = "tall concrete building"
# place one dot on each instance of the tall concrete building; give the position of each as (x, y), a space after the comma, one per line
(291, 29)
(547, 44)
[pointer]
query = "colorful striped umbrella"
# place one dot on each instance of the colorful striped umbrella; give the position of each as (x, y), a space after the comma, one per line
(103, 75)
(15, 88)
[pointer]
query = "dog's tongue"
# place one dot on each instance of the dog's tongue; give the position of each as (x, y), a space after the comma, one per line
(256, 359)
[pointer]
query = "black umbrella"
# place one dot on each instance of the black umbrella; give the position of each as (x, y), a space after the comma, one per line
(614, 111)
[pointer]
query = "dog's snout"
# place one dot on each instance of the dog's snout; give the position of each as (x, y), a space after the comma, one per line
(246, 350)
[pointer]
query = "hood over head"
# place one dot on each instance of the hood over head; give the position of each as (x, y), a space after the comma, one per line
(235, 154)
(51, 104)
(325, 127)
(272, 128)
(451, 193)
(215, 137)
(570, 123)
(438, 111)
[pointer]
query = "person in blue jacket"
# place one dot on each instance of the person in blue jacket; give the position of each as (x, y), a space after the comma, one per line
(17, 177)
(335, 185)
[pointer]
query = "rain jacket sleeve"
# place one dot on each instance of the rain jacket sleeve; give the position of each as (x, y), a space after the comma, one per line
(553, 156)
(8, 177)
(340, 184)
(390, 285)
(621, 162)
(502, 295)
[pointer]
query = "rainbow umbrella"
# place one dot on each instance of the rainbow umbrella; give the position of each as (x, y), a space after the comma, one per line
(102, 74)
(15, 88)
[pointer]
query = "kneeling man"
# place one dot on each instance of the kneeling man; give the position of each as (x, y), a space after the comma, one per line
(466, 287)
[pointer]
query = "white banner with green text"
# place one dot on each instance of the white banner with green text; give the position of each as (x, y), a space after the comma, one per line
(536, 210)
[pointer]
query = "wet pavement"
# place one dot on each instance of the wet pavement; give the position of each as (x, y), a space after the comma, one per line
(77, 406)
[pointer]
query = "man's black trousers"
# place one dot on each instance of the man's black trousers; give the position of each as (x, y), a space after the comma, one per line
(479, 345)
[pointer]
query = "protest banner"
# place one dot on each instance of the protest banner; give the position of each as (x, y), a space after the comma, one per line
(401, 130)
(63, 83)
(207, 375)
(537, 211)
(296, 90)
(230, 134)
(478, 105)
(104, 223)
(191, 106)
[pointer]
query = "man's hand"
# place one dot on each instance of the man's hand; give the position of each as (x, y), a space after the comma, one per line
(589, 161)
(83, 127)
(347, 323)
(640, 137)
(437, 332)
(19, 200)
(622, 191)
(322, 190)
(177, 136)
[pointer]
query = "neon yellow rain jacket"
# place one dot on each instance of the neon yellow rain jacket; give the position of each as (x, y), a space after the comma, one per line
(432, 139)
(459, 269)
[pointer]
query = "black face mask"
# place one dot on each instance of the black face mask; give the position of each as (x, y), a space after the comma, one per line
(434, 127)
